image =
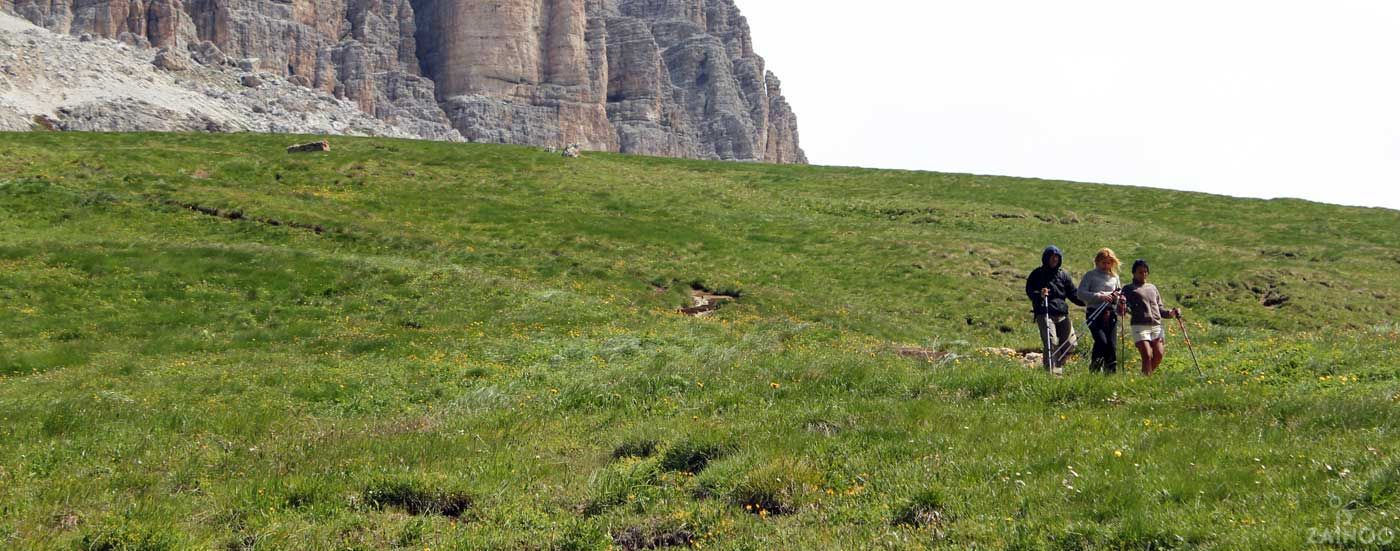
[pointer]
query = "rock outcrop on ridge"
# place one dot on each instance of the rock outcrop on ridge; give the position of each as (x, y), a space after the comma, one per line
(659, 77)
(63, 82)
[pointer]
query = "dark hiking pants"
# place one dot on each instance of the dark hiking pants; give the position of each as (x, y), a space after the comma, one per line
(1059, 332)
(1105, 333)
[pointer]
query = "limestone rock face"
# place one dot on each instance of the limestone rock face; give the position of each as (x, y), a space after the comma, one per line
(515, 71)
(657, 77)
(60, 82)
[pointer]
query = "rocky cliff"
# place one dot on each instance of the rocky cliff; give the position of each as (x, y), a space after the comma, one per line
(660, 77)
(61, 82)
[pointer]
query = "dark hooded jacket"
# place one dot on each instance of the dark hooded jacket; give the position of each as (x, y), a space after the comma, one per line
(1056, 279)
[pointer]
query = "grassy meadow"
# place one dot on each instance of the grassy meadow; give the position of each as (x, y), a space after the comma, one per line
(208, 343)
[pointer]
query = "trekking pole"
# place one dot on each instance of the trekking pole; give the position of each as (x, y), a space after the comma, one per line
(1121, 329)
(1182, 323)
(1094, 319)
(1049, 358)
(1122, 338)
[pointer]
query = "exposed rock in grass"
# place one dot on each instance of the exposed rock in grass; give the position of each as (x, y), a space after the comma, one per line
(313, 147)
(705, 301)
(822, 427)
(923, 354)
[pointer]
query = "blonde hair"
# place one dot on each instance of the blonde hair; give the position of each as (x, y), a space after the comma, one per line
(1106, 255)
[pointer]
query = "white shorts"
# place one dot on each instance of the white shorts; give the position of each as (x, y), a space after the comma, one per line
(1147, 333)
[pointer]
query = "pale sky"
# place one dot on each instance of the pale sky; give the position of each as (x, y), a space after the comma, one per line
(1276, 98)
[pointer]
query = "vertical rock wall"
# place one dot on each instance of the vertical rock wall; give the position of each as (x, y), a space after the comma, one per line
(658, 77)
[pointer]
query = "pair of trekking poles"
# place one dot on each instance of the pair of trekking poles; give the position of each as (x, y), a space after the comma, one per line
(1098, 314)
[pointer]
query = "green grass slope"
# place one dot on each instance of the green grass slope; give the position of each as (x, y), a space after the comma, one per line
(206, 342)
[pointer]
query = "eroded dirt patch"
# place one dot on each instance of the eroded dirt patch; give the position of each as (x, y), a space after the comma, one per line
(239, 216)
(692, 456)
(634, 538)
(418, 501)
(1269, 289)
(763, 503)
(923, 511)
(642, 447)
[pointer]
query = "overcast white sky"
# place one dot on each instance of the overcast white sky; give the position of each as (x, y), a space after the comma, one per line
(1276, 98)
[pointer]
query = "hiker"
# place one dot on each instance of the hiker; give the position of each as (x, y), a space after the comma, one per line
(1145, 304)
(1099, 290)
(1050, 285)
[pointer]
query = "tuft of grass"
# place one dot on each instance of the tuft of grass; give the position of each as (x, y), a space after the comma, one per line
(636, 447)
(631, 480)
(925, 509)
(128, 537)
(1383, 488)
(777, 487)
(413, 499)
(692, 455)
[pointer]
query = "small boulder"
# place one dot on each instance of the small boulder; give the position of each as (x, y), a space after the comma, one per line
(45, 122)
(299, 80)
(207, 54)
(248, 64)
(134, 40)
(572, 151)
(313, 147)
(170, 60)
(85, 37)
(251, 81)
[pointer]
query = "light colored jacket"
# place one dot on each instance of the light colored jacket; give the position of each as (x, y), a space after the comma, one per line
(1097, 287)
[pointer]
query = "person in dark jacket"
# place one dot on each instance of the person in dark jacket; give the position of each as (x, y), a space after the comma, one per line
(1049, 287)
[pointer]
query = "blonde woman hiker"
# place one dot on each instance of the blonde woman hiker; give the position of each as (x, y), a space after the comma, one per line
(1100, 291)
(1145, 304)
(1048, 287)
